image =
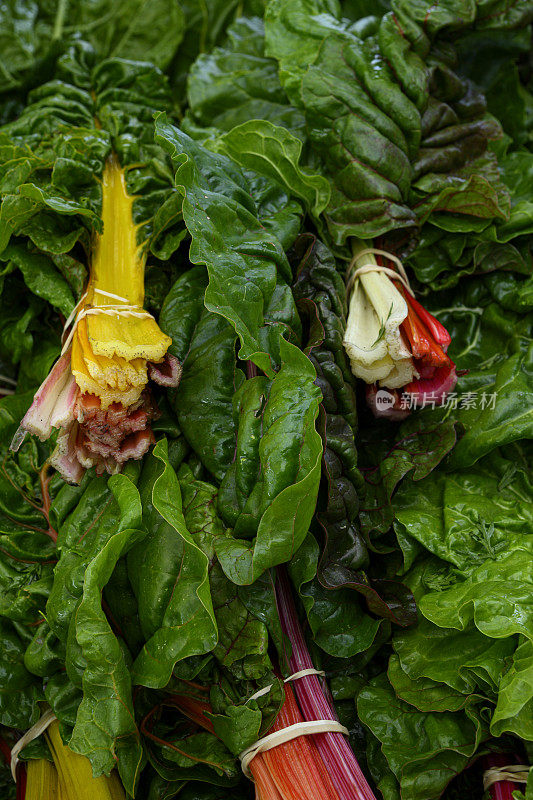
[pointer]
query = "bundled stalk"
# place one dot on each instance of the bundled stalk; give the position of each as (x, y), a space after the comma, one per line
(68, 776)
(305, 754)
(42, 782)
(96, 394)
(498, 776)
(294, 769)
(335, 752)
(74, 773)
(390, 338)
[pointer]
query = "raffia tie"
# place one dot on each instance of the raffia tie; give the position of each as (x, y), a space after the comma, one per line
(518, 773)
(33, 733)
(291, 731)
(303, 673)
(398, 274)
(122, 310)
(10, 382)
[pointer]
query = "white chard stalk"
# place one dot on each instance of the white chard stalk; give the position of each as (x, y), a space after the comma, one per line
(376, 348)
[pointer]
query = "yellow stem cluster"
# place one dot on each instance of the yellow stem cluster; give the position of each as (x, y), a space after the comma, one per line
(42, 781)
(69, 777)
(110, 350)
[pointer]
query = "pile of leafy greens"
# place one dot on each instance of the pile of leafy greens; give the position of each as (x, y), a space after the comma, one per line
(258, 138)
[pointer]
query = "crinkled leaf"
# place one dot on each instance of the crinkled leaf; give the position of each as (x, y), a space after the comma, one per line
(270, 491)
(105, 729)
(493, 404)
(235, 83)
(34, 34)
(271, 150)
(514, 709)
(423, 749)
(496, 596)
(247, 267)
(424, 693)
(471, 515)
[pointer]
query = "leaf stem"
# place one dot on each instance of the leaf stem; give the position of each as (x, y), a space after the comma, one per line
(44, 479)
(60, 19)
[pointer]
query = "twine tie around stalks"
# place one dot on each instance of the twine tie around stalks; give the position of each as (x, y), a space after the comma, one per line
(291, 732)
(122, 310)
(33, 733)
(517, 773)
(353, 273)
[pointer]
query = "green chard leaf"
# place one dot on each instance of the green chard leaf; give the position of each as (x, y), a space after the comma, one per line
(337, 619)
(493, 404)
(34, 34)
(401, 137)
(105, 729)
(20, 692)
(209, 24)
(514, 708)
(242, 645)
(266, 488)
(421, 443)
(467, 516)
(236, 83)
(273, 151)
(327, 72)
(424, 750)
(248, 270)
(96, 527)
(270, 490)
(169, 575)
(205, 344)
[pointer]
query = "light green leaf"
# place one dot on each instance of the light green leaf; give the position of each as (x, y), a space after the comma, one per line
(273, 151)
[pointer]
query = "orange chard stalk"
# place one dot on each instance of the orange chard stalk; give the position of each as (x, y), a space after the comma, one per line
(423, 345)
(291, 771)
(194, 709)
(295, 767)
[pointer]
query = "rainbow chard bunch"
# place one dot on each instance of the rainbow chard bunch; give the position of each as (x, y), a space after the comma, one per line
(390, 338)
(92, 202)
(96, 394)
(284, 736)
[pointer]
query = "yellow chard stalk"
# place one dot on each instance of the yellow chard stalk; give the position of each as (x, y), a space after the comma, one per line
(75, 773)
(42, 782)
(110, 350)
(96, 394)
(372, 339)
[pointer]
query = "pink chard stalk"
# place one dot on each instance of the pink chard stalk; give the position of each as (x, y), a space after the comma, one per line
(315, 703)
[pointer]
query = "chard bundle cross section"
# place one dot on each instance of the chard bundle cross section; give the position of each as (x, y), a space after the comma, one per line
(96, 395)
(392, 341)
